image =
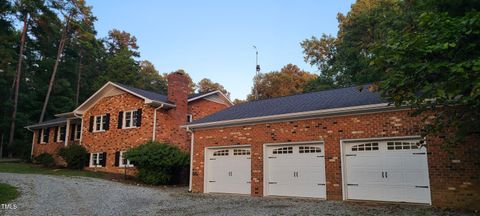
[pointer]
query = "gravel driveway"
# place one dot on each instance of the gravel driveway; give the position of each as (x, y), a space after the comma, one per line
(58, 195)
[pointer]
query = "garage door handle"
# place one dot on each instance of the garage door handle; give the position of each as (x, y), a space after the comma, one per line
(417, 186)
(320, 184)
(352, 184)
(351, 155)
(212, 181)
(271, 157)
(386, 174)
(272, 182)
(383, 175)
(321, 156)
(419, 153)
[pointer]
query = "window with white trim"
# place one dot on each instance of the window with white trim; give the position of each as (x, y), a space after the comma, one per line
(309, 149)
(365, 147)
(130, 119)
(78, 131)
(189, 118)
(61, 131)
(96, 159)
(283, 150)
(100, 123)
(44, 137)
(123, 161)
(221, 152)
(241, 152)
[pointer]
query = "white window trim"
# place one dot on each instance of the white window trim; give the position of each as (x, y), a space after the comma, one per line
(189, 117)
(91, 159)
(102, 118)
(77, 126)
(124, 126)
(42, 140)
(59, 138)
(120, 163)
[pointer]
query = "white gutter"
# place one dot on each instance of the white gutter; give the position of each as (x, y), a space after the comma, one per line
(298, 115)
(191, 160)
(155, 121)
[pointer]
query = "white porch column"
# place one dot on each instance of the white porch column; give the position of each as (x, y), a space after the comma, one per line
(67, 132)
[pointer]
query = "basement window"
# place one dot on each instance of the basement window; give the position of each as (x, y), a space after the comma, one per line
(96, 160)
(365, 147)
(221, 152)
(284, 150)
(241, 152)
(309, 149)
(123, 161)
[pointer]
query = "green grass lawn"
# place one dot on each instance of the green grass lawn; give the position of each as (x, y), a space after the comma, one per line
(34, 169)
(7, 193)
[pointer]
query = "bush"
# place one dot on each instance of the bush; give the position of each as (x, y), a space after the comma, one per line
(45, 159)
(158, 163)
(74, 155)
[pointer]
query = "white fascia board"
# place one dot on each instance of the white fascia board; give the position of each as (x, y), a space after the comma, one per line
(298, 115)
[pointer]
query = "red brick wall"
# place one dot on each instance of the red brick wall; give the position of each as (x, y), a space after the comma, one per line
(51, 147)
(201, 108)
(453, 183)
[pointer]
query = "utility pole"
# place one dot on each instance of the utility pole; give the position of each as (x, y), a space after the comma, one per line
(257, 72)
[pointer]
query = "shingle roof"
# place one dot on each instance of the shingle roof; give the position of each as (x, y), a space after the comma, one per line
(52, 122)
(156, 96)
(328, 99)
(148, 94)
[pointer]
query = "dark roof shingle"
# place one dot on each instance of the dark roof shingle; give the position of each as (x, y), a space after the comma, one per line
(328, 99)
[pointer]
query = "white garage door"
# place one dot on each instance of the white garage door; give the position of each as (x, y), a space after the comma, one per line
(295, 170)
(394, 170)
(228, 170)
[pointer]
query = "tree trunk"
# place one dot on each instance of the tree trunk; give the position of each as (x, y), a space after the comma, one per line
(61, 45)
(17, 83)
(79, 76)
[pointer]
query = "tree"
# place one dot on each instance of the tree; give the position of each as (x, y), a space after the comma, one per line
(289, 80)
(345, 59)
(207, 85)
(150, 78)
(433, 64)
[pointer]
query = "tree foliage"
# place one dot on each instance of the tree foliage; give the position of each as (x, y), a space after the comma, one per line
(289, 80)
(207, 85)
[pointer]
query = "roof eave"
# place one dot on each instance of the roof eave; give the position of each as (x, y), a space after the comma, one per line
(298, 115)
(37, 126)
(211, 93)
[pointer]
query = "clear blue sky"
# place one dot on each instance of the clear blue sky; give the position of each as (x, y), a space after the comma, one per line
(213, 38)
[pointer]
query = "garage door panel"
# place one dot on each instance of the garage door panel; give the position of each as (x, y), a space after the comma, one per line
(393, 171)
(295, 170)
(228, 171)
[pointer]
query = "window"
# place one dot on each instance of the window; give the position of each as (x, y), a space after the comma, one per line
(124, 162)
(78, 131)
(284, 150)
(44, 136)
(309, 149)
(365, 147)
(100, 122)
(189, 118)
(97, 159)
(241, 152)
(130, 119)
(402, 145)
(221, 152)
(61, 130)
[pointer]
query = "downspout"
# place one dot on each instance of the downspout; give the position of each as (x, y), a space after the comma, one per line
(191, 160)
(155, 122)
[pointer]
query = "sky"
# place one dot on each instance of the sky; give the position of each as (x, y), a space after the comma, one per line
(214, 39)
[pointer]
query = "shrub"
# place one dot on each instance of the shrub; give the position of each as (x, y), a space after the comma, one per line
(158, 163)
(74, 155)
(45, 159)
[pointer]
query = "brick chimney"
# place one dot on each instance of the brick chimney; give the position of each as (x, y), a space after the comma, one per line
(178, 94)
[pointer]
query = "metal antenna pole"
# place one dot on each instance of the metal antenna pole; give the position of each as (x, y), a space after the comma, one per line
(257, 71)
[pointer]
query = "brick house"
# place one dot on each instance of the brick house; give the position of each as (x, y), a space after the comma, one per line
(340, 144)
(119, 117)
